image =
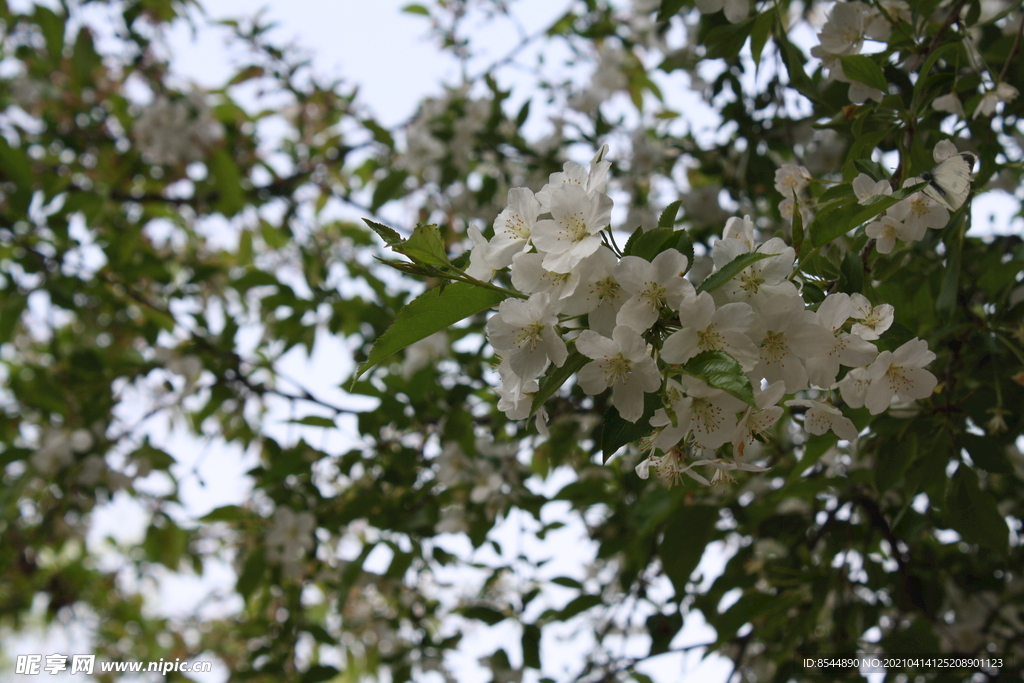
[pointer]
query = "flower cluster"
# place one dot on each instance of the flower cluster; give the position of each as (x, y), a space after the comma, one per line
(909, 219)
(640, 322)
(848, 25)
(174, 132)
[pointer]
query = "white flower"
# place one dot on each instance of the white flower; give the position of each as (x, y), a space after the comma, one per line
(515, 395)
(735, 10)
(900, 373)
(176, 132)
(514, 225)
(1004, 92)
(919, 211)
(859, 93)
(572, 233)
(791, 178)
(741, 229)
(865, 187)
(872, 320)
(711, 413)
(785, 337)
(599, 293)
(821, 417)
(669, 468)
(755, 422)
(593, 181)
(530, 276)
(707, 329)
(621, 363)
(854, 387)
(943, 150)
(453, 521)
(667, 435)
(525, 331)
(760, 283)
(481, 265)
(843, 33)
(290, 538)
(949, 103)
(652, 285)
(886, 231)
(847, 349)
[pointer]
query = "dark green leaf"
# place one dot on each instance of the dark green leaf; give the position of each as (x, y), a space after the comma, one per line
(531, 646)
(668, 216)
(554, 380)
(731, 270)
(687, 532)
(578, 605)
(798, 224)
(973, 513)
(425, 246)
(430, 312)
(617, 432)
(315, 421)
(864, 69)
(388, 188)
(662, 629)
(227, 513)
(318, 673)
(721, 371)
(726, 41)
(893, 459)
(669, 8)
(483, 613)
(228, 181)
(987, 453)
(759, 35)
(12, 305)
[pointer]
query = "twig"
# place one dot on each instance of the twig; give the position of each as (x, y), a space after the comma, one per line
(1013, 51)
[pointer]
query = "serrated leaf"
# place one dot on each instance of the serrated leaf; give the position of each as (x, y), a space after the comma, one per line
(668, 216)
(731, 270)
(425, 245)
(651, 243)
(973, 513)
(389, 235)
(430, 312)
(554, 380)
(721, 371)
(616, 432)
(864, 69)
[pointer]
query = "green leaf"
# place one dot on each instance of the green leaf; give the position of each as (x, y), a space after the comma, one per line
(987, 453)
(798, 224)
(318, 673)
(228, 181)
(531, 646)
(662, 629)
(794, 60)
(973, 513)
(12, 305)
(721, 371)
(851, 273)
(616, 432)
(425, 246)
(554, 380)
(387, 189)
(416, 9)
(227, 513)
(894, 457)
(669, 8)
(52, 26)
(687, 532)
(578, 605)
(946, 301)
(389, 235)
(668, 216)
(252, 573)
(430, 312)
(315, 421)
(759, 35)
(483, 613)
(731, 270)
(726, 41)
(864, 69)
(647, 245)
